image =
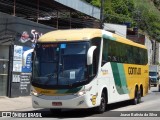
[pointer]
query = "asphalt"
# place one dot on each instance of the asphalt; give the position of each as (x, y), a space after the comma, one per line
(16, 104)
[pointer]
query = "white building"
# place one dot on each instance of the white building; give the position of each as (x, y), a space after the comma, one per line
(149, 46)
(117, 29)
(157, 53)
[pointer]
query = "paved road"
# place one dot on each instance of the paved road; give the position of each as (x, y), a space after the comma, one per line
(149, 103)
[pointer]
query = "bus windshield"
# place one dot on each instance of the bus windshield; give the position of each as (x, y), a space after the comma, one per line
(152, 73)
(60, 64)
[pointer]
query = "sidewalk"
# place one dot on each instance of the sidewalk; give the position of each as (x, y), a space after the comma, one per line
(16, 104)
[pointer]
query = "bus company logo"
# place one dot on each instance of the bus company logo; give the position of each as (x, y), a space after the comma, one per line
(134, 71)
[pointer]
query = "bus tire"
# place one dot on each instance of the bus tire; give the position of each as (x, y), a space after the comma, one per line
(102, 107)
(137, 97)
(55, 111)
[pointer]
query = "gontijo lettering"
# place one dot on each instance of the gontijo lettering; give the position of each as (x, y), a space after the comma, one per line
(134, 71)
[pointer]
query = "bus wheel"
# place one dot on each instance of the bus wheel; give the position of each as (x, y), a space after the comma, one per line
(102, 107)
(55, 111)
(137, 98)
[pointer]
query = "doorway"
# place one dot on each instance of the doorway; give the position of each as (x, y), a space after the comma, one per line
(4, 59)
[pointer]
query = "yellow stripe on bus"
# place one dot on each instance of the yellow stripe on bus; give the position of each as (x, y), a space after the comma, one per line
(71, 35)
(136, 75)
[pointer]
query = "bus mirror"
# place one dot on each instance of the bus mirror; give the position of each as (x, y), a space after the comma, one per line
(90, 55)
(24, 57)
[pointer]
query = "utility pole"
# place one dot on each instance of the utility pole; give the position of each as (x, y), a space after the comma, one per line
(155, 52)
(101, 14)
(138, 19)
(14, 8)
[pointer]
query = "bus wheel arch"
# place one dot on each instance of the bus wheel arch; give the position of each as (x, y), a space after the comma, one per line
(103, 101)
(105, 91)
(137, 96)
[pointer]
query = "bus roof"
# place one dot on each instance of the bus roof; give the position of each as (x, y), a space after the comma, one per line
(84, 34)
(70, 35)
(127, 41)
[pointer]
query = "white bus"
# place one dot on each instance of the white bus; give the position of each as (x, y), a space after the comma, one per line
(87, 68)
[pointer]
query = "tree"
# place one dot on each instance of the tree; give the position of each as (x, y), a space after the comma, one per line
(143, 13)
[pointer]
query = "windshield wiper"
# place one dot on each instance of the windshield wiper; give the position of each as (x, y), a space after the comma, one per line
(50, 75)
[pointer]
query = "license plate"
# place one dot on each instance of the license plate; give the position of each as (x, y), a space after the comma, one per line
(56, 103)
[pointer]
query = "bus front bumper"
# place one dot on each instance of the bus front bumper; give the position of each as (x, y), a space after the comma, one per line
(62, 102)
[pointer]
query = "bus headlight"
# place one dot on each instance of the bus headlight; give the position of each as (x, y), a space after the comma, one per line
(80, 93)
(35, 93)
(83, 91)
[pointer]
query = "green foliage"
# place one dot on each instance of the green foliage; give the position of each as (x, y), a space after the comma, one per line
(150, 15)
(157, 3)
(142, 13)
(119, 11)
(96, 3)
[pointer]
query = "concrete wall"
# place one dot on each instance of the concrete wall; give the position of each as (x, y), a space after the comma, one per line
(118, 29)
(153, 51)
(148, 44)
(157, 52)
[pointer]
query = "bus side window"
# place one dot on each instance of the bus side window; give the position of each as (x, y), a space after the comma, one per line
(109, 58)
(117, 51)
(113, 51)
(105, 52)
(109, 52)
(121, 53)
